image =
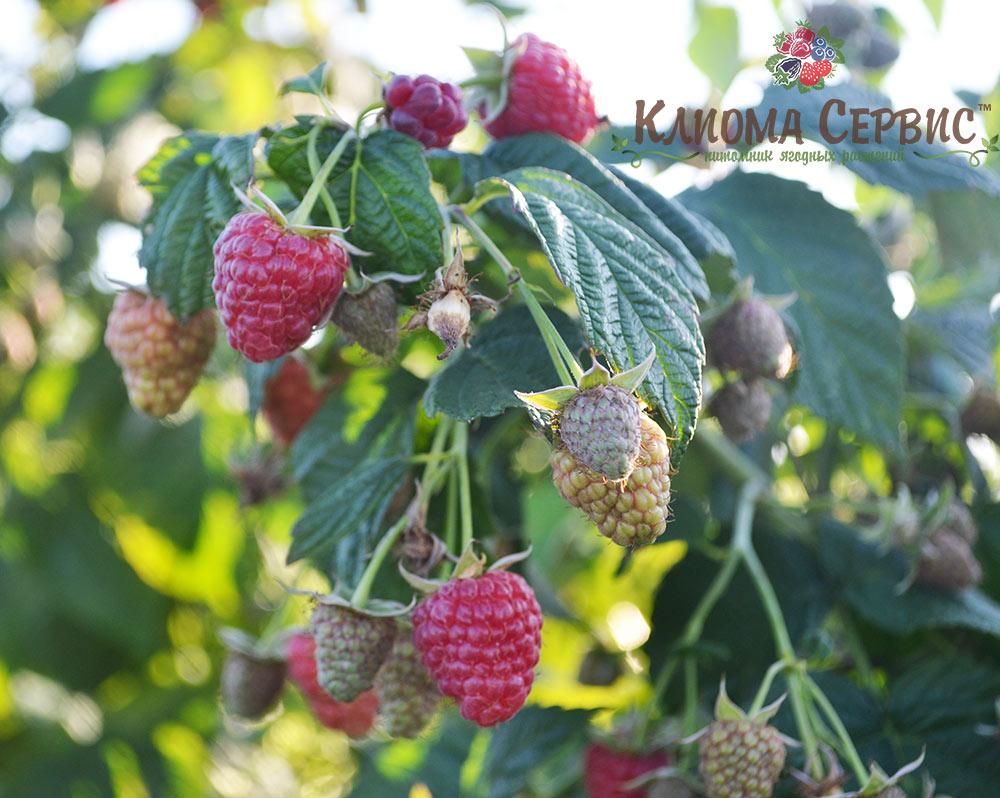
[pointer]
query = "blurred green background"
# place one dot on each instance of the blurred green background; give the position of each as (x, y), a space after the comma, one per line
(123, 545)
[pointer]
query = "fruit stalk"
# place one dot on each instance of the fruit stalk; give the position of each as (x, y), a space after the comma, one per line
(461, 451)
(566, 366)
(432, 475)
(312, 157)
(846, 743)
(301, 214)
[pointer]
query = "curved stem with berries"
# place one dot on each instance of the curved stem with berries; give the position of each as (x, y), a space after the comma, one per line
(566, 365)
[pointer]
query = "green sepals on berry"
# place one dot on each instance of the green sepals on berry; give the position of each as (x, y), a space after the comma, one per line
(881, 785)
(740, 756)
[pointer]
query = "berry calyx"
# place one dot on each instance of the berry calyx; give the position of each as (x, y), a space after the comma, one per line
(631, 514)
(538, 88)
(350, 648)
(424, 108)
(354, 719)
(290, 400)
(274, 285)
(161, 357)
(607, 771)
(480, 638)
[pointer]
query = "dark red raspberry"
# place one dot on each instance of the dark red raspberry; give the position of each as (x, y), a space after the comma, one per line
(480, 640)
(273, 285)
(545, 94)
(290, 400)
(424, 108)
(606, 770)
(354, 719)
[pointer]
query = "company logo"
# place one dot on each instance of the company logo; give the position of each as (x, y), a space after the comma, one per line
(805, 58)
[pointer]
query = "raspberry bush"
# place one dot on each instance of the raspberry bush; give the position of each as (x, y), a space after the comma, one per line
(468, 463)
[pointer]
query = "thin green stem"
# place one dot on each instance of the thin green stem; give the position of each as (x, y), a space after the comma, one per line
(364, 588)
(566, 365)
(848, 748)
(451, 512)
(312, 156)
(461, 449)
(433, 471)
(742, 540)
(765, 686)
(301, 214)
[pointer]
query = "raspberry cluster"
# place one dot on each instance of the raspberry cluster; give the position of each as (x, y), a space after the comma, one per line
(425, 108)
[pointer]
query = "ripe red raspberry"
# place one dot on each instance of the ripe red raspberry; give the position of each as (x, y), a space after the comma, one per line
(424, 108)
(273, 285)
(161, 357)
(606, 770)
(545, 94)
(824, 67)
(480, 639)
(354, 719)
(290, 400)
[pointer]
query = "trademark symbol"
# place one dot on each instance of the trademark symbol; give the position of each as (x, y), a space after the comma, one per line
(985, 106)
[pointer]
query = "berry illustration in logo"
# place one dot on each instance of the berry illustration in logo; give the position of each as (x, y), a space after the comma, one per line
(805, 58)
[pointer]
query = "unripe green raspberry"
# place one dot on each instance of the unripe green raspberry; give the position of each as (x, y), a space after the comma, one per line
(408, 696)
(633, 513)
(740, 759)
(370, 319)
(750, 337)
(251, 685)
(742, 408)
(350, 648)
(947, 563)
(600, 428)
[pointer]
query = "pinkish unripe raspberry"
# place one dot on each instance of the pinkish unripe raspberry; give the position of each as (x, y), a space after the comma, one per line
(480, 639)
(290, 400)
(631, 514)
(354, 719)
(273, 285)
(350, 648)
(425, 108)
(606, 771)
(160, 356)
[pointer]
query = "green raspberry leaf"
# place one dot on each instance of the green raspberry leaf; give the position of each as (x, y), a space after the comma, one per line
(681, 236)
(313, 82)
(506, 355)
(191, 179)
(849, 342)
(631, 297)
(384, 196)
